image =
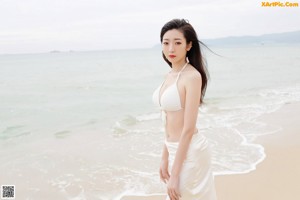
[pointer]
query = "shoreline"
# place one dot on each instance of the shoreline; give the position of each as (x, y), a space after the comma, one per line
(276, 176)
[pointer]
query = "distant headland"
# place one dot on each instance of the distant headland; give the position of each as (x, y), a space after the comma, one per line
(275, 38)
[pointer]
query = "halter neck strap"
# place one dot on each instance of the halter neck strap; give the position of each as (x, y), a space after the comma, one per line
(181, 71)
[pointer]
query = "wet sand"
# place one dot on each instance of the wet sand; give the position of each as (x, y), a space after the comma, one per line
(278, 176)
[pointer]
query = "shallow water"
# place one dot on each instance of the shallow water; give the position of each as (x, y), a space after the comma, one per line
(82, 125)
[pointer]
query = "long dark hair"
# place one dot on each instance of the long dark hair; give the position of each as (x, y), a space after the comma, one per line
(194, 55)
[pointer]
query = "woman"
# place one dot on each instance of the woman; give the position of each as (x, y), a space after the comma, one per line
(185, 165)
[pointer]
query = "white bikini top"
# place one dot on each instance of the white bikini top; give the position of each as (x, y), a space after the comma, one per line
(170, 98)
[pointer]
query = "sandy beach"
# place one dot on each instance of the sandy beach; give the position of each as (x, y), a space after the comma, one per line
(277, 177)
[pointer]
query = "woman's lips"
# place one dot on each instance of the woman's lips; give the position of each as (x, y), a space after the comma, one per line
(172, 56)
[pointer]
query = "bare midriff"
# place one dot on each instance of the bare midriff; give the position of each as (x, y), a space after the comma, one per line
(174, 125)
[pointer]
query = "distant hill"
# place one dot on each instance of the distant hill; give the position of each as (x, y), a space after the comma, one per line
(275, 38)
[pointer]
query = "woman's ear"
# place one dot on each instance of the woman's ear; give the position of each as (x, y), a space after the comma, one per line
(189, 46)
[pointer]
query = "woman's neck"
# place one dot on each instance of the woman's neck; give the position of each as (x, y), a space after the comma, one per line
(178, 65)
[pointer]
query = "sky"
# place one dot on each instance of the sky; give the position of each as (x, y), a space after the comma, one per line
(33, 26)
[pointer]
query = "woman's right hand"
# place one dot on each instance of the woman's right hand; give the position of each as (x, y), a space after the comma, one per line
(163, 171)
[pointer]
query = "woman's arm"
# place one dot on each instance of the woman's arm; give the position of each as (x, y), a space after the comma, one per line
(192, 99)
(163, 170)
(193, 93)
(165, 153)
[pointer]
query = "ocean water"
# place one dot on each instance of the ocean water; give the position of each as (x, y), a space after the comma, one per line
(81, 125)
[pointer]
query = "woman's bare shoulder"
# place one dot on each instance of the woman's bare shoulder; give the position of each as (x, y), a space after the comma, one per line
(192, 75)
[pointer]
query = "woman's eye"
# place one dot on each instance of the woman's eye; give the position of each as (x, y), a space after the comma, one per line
(178, 43)
(165, 43)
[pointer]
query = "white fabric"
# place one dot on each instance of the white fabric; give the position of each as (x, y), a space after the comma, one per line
(170, 98)
(196, 179)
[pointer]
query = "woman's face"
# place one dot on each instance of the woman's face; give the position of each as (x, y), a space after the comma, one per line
(174, 46)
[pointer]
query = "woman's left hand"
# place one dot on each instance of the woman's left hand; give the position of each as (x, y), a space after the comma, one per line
(173, 188)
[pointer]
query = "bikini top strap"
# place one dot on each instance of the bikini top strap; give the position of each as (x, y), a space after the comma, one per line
(181, 71)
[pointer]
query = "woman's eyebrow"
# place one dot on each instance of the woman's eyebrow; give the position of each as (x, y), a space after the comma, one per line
(174, 39)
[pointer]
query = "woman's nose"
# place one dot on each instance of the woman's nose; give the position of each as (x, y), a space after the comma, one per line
(171, 48)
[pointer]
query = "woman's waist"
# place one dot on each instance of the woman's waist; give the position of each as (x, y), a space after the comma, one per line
(173, 129)
(174, 137)
(198, 141)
